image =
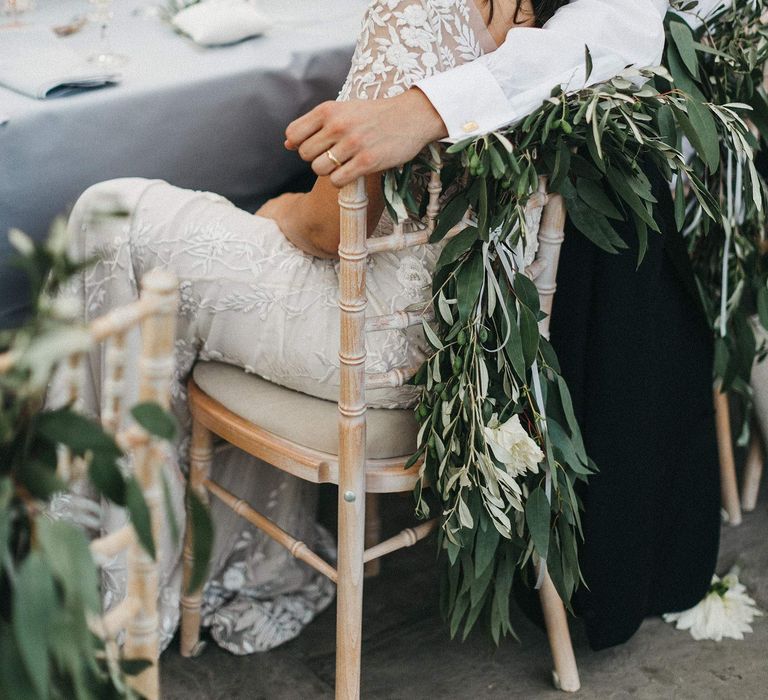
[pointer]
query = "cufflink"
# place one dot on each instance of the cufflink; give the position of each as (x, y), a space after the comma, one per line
(469, 127)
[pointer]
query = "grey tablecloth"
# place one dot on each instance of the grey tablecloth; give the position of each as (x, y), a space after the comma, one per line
(208, 119)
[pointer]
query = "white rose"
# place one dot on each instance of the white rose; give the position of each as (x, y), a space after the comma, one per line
(512, 446)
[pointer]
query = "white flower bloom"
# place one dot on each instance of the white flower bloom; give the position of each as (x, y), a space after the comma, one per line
(725, 613)
(512, 446)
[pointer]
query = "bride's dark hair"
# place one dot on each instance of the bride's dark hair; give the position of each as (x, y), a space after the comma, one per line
(542, 9)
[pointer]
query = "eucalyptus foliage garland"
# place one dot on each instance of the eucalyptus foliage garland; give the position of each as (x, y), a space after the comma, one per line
(502, 450)
(49, 582)
(723, 62)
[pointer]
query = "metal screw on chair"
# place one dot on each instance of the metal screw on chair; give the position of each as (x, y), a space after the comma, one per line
(349, 496)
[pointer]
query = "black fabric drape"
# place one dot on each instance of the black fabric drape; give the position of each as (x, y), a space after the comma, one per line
(637, 354)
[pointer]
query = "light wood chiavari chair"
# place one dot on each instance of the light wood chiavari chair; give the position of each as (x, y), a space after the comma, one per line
(155, 314)
(732, 504)
(363, 451)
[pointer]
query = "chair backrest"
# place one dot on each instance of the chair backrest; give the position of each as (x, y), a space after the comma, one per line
(354, 249)
(155, 314)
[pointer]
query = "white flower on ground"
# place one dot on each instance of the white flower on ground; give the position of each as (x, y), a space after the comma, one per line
(512, 446)
(725, 613)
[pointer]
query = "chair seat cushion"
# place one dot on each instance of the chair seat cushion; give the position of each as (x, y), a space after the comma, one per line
(301, 418)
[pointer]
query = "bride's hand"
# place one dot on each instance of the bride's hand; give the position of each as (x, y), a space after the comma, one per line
(365, 136)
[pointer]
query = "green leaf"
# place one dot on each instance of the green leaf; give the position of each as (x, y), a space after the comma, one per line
(155, 420)
(683, 38)
(529, 335)
(527, 293)
(564, 448)
(665, 122)
(537, 516)
(140, 518)
(682, 79)
(67, 552)
(570, 417)
(133, 667)
(469, 281)
(14, 681)
(619, 182)
(699, 126)
(107, 478)
(588, 64)
(449, 216)
(590, 223)
(33, 600)
(434, 341)
(679, 203)
(759, 114)
(202, 540)
(40, 479)
(594, 196)
(762, 306)
(485, 549)
(457, 246)
(65, 427)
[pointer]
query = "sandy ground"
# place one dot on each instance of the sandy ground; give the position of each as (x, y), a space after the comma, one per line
(407, 653)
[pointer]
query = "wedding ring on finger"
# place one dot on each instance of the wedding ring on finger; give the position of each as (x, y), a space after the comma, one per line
(333, 158)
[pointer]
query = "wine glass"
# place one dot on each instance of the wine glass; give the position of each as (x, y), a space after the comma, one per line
(14, 8)
(104, 57)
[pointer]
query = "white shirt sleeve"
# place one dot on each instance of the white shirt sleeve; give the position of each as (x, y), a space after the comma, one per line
(504, 86)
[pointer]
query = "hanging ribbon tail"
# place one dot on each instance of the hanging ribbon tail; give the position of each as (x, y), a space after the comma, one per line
(734, 213)
(491, 277)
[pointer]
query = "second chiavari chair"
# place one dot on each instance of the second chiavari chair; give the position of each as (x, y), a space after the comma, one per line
(363, 451)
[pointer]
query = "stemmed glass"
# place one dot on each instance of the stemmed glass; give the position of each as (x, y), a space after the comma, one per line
(14, 8)
(105, 56)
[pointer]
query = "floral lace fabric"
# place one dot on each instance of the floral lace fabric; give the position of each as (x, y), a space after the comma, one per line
(250, 298)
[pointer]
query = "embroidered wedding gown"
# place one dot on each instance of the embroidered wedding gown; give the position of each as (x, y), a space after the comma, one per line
(252, 299)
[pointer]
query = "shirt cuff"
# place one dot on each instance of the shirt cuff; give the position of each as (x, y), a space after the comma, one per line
(468, 99)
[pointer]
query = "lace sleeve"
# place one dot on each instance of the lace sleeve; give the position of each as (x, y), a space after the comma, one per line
(404, 41)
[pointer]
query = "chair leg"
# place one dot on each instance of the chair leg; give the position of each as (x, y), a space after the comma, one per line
(753, 470)
(729, 488)
(372, 531)
(349, 594)
(200, 457)
(565, 674)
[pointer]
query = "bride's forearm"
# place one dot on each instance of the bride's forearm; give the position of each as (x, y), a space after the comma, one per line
(311, 220)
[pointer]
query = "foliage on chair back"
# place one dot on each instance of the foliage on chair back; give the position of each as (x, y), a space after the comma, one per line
(501, 445)
(723, 62)
(49, 586)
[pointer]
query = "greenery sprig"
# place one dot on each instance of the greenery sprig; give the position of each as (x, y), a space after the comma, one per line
(722, 61)
(49, 582)
(499, 437)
